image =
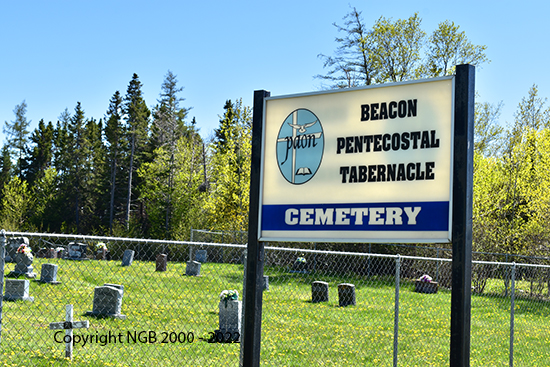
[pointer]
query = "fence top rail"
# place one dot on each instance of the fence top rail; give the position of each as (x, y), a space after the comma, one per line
(244, 246)
(119, 239)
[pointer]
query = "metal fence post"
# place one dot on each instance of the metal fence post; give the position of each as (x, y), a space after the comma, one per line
(396, 317)
(512, 307)
(2, 263)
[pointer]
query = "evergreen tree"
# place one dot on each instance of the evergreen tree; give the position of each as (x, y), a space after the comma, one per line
(17, 136)
(114, 134)
(41, 154)
(137, 127)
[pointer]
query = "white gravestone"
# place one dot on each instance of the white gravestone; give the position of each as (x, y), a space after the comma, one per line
(68, 325)
(230, 315)
(17, 290)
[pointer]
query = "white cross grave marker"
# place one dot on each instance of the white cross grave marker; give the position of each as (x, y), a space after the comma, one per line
(68, 325)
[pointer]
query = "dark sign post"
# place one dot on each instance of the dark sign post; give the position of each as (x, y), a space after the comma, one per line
(250, 345)
(462, 215)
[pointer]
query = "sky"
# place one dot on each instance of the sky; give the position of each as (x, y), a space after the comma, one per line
(56, 53)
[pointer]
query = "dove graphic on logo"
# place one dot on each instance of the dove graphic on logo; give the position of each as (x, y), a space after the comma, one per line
(300, 146)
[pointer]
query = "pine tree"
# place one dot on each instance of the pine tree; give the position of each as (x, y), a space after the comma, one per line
(41, 155)
(17, 136)
(137, 126)
(114, 134)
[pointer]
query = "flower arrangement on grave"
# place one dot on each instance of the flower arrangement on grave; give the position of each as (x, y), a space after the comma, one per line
(301, 260)
(25, 250)
(425, 278)
(229, 295)
(100, 246)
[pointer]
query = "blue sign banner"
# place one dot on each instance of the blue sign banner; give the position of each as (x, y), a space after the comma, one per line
(410, 216)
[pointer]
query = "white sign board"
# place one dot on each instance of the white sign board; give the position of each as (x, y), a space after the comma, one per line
(371, 164)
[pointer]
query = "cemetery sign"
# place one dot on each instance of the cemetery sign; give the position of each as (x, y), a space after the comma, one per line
(370, 164)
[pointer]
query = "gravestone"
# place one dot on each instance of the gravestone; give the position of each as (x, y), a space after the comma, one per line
(101, 254)
(161, 262)
(201, 256)
(346, 294)
(266, 283)
(108, 301)
(193, 268)
(17, 290)
(128, 257)
(49, 274)
(319, 292)
(230, 316)
(12, 245)
(68, 325)
(76, 251)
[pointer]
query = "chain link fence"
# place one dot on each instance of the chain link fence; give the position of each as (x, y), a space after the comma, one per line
(320, 307)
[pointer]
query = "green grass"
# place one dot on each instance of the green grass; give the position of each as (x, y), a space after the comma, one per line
(295, 332)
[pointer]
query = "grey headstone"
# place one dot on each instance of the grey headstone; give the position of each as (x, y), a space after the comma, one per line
(266, 283)
(76, 251)
(49, 273)
(128, 257)
(346, 294)
(201, 256)
(161, 262)
(193, 268)
(12, 245)
(230, 316)
(108, 301)
(17, 289)
(319, 292)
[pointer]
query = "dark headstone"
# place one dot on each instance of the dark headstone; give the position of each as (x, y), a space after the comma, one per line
(319, 292)
(161, 262)
(346, 294)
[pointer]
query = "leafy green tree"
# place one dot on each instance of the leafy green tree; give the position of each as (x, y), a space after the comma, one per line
(228, 201)
(448, 47)
(17, 136)
(394, 51)
(398, 48)
(488, 133)
(16, 202)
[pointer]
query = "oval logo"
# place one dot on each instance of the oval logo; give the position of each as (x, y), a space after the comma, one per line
(300, 146)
